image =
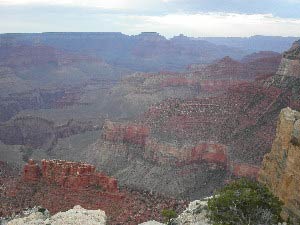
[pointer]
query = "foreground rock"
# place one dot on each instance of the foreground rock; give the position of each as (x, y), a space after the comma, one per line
(281, 167)
(75, 216)
(152, 222)
(195, 214)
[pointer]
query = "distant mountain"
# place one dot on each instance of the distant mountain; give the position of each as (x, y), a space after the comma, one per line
(255, 43)
(145, 52)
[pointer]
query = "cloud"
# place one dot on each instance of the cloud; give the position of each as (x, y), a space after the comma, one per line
(105, 4)
(218, 24)
(22, 16)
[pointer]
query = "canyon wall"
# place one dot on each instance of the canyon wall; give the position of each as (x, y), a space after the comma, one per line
(280, 168)
(290, 64)
(166, 167)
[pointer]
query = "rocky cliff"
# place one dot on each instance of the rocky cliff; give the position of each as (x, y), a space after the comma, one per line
(290, 64)
(280, 168)
(141, 160)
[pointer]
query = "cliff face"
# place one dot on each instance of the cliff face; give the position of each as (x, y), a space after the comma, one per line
(290, 64)
(280, 169)
(139, 159)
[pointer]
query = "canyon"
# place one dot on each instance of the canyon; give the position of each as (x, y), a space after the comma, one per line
(164, 120)
(186, 142)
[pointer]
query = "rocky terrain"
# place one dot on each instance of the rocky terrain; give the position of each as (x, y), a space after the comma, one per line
(135, 93)
(162, 135)
(280, 168)
(193, 139)
(60, 185)
(77, 215)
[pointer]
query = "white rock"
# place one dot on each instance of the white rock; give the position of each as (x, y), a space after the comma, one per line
(79, 216)
(195, 214)
(152, 222)
(75, 216)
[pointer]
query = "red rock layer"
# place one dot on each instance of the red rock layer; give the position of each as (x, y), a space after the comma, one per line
(128, 133)
(127, 207)
(68, 175)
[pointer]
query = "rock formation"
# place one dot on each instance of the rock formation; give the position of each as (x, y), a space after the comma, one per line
(280, 168)
(290, 64)
(194, 214)
(68, 175)
(131, 133)
(75, 216)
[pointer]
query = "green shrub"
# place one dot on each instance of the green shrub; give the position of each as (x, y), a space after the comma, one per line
(244, 202)
(168, 214)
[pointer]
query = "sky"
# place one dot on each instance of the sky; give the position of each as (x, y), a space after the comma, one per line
(195, 18)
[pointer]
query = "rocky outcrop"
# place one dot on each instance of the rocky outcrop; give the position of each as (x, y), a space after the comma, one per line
(130, 133)
(280, 168)
(290, 64)
(195, 214)
(126, 206)
(68, 175)
(75, 216)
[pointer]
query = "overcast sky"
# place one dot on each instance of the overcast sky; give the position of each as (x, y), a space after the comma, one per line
(168, 17)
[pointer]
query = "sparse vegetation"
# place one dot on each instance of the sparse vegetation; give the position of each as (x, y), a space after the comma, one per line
(168, 215)
(244, 202)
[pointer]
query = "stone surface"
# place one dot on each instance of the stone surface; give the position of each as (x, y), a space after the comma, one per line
(280, 168)
(290, 64)
(195, 214)
(75, 216)
(152, 222)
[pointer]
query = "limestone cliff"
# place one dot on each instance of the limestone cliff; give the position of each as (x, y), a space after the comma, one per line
(281, 167)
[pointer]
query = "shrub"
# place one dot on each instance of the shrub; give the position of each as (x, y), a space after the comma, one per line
(168, 214)
(244, 202)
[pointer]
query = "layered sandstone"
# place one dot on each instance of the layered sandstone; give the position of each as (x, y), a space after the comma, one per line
(131, 133)
(68, 175)
(280, 169)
